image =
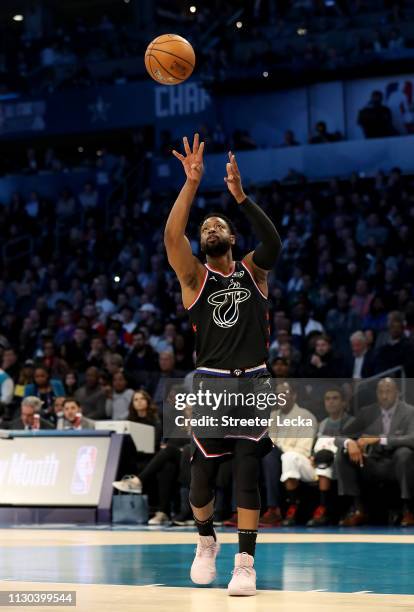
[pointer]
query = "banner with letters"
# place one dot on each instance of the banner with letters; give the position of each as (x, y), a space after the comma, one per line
(49, 472)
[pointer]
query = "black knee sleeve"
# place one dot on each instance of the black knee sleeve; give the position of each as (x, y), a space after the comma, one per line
(202, 481)
(247, 476)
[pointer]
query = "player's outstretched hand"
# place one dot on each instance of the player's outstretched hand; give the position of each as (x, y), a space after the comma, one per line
(233, 179)
(192, 160)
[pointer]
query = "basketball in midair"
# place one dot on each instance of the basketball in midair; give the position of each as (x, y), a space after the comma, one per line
(170, 59)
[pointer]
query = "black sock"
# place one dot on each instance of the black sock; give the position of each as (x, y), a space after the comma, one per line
(324, 497)
(358, 505)
(247, 541)
(205, 528)
(293, 497)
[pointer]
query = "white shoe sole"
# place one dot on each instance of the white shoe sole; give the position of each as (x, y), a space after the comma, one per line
(241, 592)
(125, 489)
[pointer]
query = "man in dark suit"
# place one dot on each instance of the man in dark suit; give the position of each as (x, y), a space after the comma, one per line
(378, 446)
(360, 364)
(28, 420)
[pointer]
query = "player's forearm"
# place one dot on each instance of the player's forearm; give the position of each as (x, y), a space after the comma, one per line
(267, 252)
(178, 217)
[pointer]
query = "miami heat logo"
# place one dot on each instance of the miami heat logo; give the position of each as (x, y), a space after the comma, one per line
(226, 302)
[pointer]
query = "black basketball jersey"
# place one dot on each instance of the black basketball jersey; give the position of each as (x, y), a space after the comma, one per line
(230, 320)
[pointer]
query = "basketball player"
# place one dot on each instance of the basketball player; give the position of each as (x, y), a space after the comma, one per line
(227, 304)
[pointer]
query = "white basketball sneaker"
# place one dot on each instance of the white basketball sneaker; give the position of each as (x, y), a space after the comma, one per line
(243, 581)
(203, 569)
(128, 484)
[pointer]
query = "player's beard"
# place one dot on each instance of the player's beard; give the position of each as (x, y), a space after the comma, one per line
(217, 248)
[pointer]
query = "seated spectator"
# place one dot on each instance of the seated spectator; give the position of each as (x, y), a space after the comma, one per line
(289, 139)
(341, 321)
(323, 363)
(304, 324)
(378, 446)
(30, 415)
(118, 398)
(322, 135)
(88, 197)
(362, 298)
(324, 451)
(71, 416)
(10, 364)
(75, 352)
(6, 391)
(162, 380)
(47, 389)
(91, 396)
(66, 206)
(289, 461)
(25, 378)
(142, 409)
(399, 350)
(375, 118)
(71, 383)
(96, 354)
(57, 366)
(141, 355)
(165, 466)
(361, 364)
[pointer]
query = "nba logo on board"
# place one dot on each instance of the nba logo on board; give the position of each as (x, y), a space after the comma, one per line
(84, 470)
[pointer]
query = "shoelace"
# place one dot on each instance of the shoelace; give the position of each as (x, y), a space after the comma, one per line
(242, 570)
(206, 549)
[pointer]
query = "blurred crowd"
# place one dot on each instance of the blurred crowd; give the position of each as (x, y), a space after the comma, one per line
(47, 53)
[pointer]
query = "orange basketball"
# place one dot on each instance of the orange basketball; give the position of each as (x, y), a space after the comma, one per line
(170, 59)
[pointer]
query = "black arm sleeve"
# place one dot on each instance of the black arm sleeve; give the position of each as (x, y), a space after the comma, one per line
(266, 253)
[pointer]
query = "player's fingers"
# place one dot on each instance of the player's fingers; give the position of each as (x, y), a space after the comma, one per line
(196, 141)
(178, 155)
(229, 169)
(234, 164)
(200, 151)
(186, 146)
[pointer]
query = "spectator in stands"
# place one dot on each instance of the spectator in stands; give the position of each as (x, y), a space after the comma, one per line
(88, 197)
(375, 119)
(46, 389)
(57, 367)
(399, 350)
(6, 391)
(289, 139)
(304, 324)
(324, 451)
(167, 371)
(289, 461)
(323, 363)
(362, 298)
(322, 135)
(141, 355)
(378, 446)
(75, 351)
(96, 354)
(142, 409)
(118, 398)
(91, 396)
(361, 364)
(10, 364)
(341, 321)
(30, 416)
(165, 467)
(71, 383)
(72, 416)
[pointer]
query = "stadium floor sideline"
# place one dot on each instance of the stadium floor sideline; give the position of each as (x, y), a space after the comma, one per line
(148, 569)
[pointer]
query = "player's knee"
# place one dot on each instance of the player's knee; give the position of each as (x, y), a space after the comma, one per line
(200, 496)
